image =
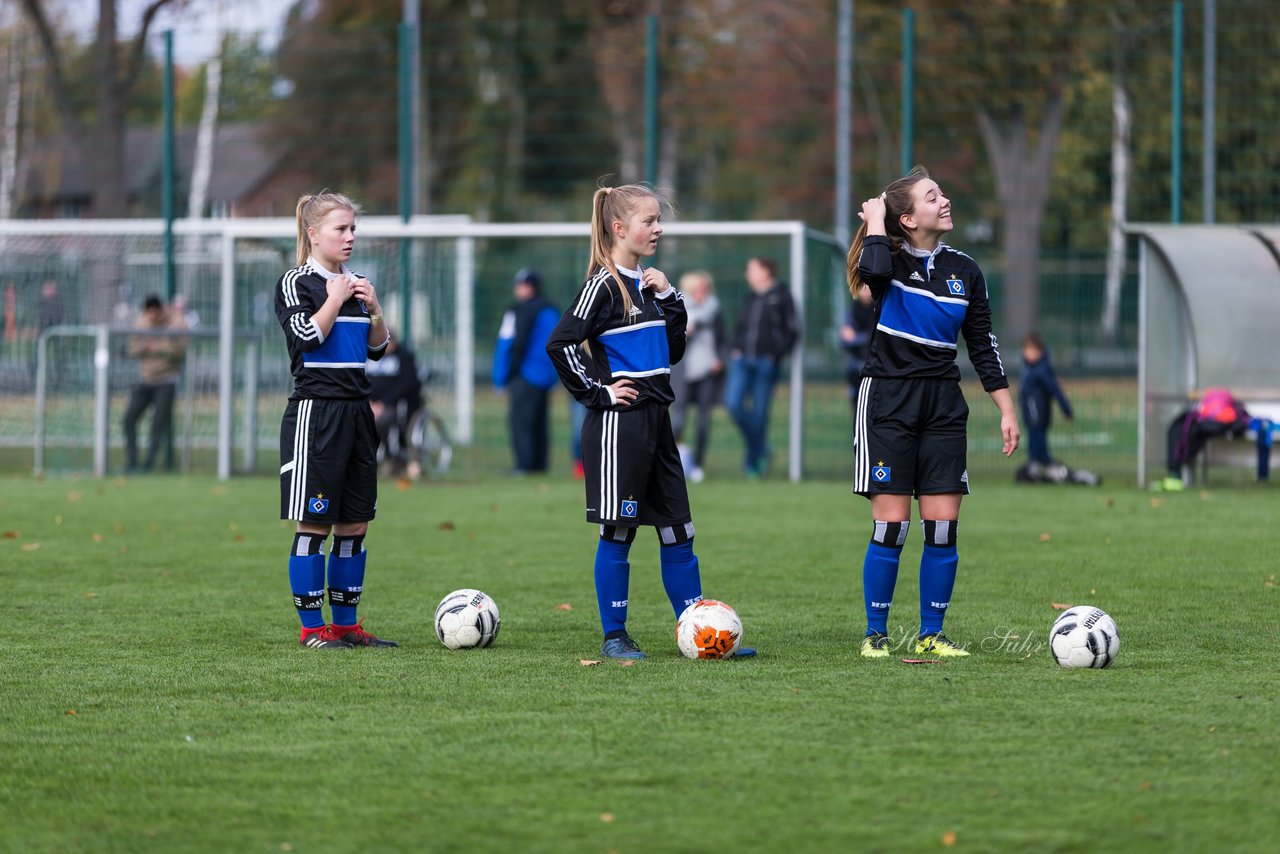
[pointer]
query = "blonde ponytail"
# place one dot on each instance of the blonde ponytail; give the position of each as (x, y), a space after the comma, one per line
(311, 211)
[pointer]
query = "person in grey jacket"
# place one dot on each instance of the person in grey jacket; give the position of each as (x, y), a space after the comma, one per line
(767, 330)
(703, 365)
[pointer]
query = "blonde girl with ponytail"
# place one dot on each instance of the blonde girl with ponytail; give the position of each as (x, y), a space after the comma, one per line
(613, 349)
(332, 322)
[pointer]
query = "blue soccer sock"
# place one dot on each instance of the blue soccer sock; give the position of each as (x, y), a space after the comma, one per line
(346, 578)
(680, 577)
(306, 578)
(937, 573)
(880, 572)
(613, 576)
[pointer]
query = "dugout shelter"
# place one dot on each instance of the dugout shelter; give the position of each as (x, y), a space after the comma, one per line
(1208, 315)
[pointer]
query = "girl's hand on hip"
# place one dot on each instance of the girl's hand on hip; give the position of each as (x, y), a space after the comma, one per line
(624, 392)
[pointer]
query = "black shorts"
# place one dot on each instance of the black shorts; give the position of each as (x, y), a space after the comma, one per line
(909, 438)
(632, 468)
(328, 462)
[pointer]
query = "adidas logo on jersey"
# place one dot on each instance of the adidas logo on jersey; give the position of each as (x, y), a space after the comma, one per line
(635, 311)
(916, 277)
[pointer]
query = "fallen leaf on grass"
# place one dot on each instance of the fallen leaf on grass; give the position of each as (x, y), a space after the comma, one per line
(626, 662)
(949, 838)
(12, 535)
(97, 538)
(220, 490)
(1046, 537)
(238, 538)
(404, 484)
(75, 496)
(71, 711)
(588, 662)
(1157, 502)
(1144, 786)
(57, 520)
(30, 547)
(447, 526)
(606, 817)
(564, 607)
(91, 595)
(1058, 606)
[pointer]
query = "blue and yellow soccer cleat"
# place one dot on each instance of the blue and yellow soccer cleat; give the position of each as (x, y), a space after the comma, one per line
(940, 645)
(875, 645)
(621, 647)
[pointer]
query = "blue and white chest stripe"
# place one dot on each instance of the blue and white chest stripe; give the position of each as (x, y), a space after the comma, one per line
(637, 350)
(922, 316)
(346, 347)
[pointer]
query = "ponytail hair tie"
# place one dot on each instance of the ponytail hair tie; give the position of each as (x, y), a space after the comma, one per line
(882, 197)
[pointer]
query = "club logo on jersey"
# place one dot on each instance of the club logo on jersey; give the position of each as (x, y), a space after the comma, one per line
(881, 473)
(916, 277)
(629, 509)
(956, 287)
(318, 505)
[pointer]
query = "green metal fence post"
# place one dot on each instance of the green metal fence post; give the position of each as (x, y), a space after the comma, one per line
(651, 100)
(908, 87)
(408, 34)
(1175, 167)
(166, 168)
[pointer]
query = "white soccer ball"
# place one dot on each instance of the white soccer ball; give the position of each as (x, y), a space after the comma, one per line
(1084, 636)
(708, 629)
(466, 619)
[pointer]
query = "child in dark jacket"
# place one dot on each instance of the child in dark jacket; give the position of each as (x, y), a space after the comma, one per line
(1037, 390)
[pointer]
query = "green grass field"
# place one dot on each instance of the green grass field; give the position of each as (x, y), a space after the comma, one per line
(155, 698)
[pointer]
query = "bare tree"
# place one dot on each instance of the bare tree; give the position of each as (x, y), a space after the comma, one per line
(115, 78)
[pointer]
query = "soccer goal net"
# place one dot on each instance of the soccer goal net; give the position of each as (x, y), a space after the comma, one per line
(74, 290)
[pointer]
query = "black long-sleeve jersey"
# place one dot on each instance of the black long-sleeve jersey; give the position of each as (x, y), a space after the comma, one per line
(923, 302)
(641, 347)
(324, 366)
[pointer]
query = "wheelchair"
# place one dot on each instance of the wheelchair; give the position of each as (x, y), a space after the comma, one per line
(429, 448)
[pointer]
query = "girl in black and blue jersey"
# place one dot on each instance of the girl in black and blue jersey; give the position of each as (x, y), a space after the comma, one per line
(910, 425)
(332, 323)
(613, 350)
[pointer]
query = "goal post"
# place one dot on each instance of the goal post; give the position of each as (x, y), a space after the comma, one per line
(442, 305)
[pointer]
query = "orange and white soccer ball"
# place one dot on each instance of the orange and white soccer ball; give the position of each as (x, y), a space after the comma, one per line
(708, 629)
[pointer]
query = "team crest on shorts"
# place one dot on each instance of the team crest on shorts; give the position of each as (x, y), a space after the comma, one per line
(955, 287)
(881, 473)
(629, 508)
(318, 505)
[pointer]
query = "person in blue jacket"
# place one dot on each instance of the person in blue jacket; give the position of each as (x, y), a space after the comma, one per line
(522, 368)
(1037, 391)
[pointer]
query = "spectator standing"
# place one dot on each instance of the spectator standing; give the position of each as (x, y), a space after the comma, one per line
(160, 358)
(766, 332)
(522, 368)
(1037, 390)
(702, 368)
(855, 339)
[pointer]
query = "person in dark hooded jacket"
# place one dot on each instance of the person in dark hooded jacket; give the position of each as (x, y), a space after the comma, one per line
(1037, 390)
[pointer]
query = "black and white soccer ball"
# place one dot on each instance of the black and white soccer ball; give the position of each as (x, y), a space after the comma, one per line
(1084, 636)
(466, 619)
